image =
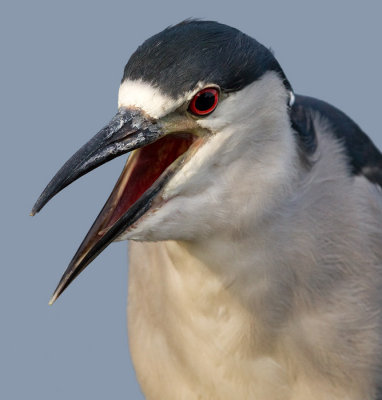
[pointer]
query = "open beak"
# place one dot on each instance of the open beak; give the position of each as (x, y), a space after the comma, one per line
(156, 158)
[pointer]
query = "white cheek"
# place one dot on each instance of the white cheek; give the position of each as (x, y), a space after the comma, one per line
(246, 109)
(245, 120)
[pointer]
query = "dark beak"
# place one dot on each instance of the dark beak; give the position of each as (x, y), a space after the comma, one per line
(127, 131)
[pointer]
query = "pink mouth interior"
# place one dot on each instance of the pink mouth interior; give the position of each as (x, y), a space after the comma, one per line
(142, 170)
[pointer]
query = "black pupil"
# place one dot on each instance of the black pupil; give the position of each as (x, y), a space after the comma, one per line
(205, 101)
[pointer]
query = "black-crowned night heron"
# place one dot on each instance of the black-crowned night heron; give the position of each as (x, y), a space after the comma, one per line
(256, 225)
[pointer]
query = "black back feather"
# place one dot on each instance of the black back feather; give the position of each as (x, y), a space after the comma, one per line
(364, 157)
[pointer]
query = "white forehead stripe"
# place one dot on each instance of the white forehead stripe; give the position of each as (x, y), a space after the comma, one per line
(151, 100)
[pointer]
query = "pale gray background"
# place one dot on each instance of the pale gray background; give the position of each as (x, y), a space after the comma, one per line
(61, 64)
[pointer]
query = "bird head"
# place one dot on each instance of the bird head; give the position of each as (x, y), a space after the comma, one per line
(203, 112)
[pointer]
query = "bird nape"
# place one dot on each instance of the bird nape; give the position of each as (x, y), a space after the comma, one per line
(255, 225)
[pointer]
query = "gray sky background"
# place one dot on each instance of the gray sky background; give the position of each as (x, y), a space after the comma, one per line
(61, 64)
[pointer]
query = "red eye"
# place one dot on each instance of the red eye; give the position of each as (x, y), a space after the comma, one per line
(204, 102)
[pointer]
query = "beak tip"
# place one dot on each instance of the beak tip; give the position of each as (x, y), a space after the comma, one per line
(37, 206)
(34, 210)
(52, 299)
(57, 293)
